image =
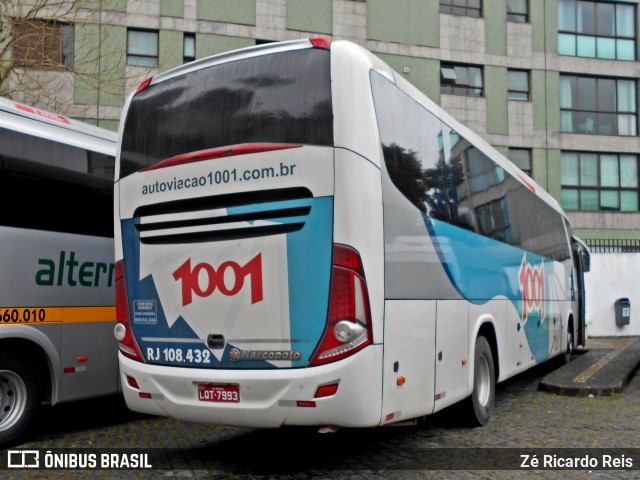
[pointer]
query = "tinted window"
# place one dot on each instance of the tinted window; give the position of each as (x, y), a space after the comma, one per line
(67, 158)
(412, 146)
(485, 198)
(55, 205)
(447, 177)
(55, 187)
(474, 182)
(277, 98)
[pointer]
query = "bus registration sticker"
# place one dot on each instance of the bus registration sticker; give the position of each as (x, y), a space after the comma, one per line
(211, 392)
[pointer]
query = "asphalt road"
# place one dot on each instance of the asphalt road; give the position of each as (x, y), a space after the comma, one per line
(526, 421)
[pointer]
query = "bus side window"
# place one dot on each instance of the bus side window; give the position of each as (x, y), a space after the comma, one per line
(412, 146)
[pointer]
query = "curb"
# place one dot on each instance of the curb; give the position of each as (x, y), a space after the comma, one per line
(603, 370)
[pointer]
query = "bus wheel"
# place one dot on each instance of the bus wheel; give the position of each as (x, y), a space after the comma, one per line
(20, 397)
(480, 404)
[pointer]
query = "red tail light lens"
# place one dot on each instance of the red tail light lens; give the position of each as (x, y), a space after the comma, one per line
(143, 85)
(349, 325)
(122, 331)
(320, 42)
(220, 152)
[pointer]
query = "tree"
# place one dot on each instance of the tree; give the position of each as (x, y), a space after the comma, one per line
(58, 55)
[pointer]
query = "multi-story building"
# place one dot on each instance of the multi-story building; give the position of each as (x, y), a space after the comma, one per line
(552, 84)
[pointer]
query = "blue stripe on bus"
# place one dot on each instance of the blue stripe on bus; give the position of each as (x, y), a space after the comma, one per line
(481, 269)
(309, 271)
(309, 253)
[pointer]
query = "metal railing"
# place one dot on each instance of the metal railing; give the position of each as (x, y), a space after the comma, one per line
(613, 245)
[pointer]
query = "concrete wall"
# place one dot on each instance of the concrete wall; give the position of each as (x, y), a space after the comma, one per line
(612, 276)
(411, 35)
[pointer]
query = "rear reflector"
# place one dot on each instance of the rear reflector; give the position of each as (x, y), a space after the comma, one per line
(132, 382)
(326, 390)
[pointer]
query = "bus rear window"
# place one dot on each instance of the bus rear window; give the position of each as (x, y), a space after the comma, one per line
(277, 98)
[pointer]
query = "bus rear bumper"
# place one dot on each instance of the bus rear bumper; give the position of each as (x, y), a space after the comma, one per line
(268, 398)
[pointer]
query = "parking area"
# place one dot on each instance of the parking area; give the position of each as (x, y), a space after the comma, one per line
(527, 421)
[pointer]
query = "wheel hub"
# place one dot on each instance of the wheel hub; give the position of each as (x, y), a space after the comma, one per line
(13, 398)
(484, 381)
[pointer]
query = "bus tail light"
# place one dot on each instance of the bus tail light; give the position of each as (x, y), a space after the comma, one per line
(320, 42)
(348, 328)
(122, 331)
(220, 152)
(143, 85)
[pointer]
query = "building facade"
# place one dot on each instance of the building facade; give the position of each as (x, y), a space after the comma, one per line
(552, 84)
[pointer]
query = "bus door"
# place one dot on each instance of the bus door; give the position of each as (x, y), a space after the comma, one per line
(581, 262)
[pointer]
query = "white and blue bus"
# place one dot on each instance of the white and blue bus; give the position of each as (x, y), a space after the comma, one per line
(57, 293)
(303, 238)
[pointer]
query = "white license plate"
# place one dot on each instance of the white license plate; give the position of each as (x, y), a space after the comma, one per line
(210, 392)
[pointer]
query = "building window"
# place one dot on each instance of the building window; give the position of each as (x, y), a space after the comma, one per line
(518, 85)
(494, 221)
(189, 47)
(599, 181)
(522, 159)
(461, 80)
(469, 8)
(142, 48)
(517, 11)
(597, 29)
(42, 44)
(603, 106)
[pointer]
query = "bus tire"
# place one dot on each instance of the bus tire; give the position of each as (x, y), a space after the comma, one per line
(20, 397)
(480, 403)
(566, 356)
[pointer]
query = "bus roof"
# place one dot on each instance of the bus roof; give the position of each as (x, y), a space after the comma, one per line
(41, 123)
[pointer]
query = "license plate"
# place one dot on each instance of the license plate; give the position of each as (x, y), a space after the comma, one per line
(209, 392)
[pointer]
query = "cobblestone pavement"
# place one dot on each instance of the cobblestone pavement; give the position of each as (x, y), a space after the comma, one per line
(525, 419)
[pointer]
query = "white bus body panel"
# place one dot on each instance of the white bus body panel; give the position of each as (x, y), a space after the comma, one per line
(454, 367)
(355, 124)
(313, 169)
(269, 398)
(61, 261)
(32, 121)
(409, 352)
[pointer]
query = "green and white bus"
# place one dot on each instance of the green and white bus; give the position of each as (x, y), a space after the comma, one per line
(57, 296)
